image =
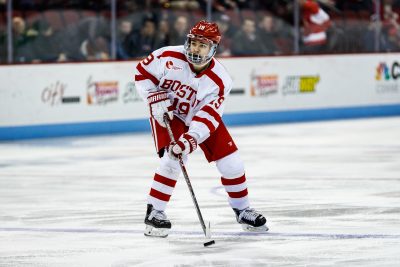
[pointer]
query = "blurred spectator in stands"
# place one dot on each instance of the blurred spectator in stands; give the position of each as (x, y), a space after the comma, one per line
(95, 49)
(124, 30)
(354, 5)
(369, 36)
(180, 4)
(389, 32)
(246, 41)
(134, 12)
(391, 28)
(268, 34)
(77, 37)
(142, 42)
(227, 32)
(47, 46)
(162, 34)
(315, 25)
(179, 31)
(22, 40)
(222, 5)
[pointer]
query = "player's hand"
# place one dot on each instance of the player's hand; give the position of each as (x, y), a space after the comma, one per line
(160, 104)
(185, 145)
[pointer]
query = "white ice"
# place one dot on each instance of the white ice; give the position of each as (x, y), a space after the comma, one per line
(330, 192)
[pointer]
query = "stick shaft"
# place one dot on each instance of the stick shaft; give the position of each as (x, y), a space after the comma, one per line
(185, 174)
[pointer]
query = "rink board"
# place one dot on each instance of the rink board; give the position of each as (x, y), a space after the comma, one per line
(142, 125)
(50, 100)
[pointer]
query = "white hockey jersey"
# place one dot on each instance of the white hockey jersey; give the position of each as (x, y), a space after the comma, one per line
(198, 99)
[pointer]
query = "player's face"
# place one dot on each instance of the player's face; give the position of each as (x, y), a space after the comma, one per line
(199, 48)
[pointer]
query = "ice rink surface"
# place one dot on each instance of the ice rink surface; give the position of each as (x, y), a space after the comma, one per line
(330, 192)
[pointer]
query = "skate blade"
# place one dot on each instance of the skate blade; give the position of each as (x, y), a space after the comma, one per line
(156, 232)
(249, 228)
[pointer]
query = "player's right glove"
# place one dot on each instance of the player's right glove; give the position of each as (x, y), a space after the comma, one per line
(160, 104)
(186, 144)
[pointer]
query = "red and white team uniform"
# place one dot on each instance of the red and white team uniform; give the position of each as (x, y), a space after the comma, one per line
(198, 101)
(167, 80)
(316, 21)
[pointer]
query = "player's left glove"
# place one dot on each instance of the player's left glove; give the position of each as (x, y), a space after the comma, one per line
(185, 145)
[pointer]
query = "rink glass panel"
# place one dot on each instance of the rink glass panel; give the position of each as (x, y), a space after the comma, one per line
(59, 31)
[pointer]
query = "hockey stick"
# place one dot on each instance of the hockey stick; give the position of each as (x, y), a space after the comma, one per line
(206, 230)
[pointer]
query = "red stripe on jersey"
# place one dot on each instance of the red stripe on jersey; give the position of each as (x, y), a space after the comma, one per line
(164, 180)
(174, 54)
(208, 123)
(235, 181)
(212, 113)
(140, 77)
(208, 69)
(218, 81)
(239, 194)
(146, 74)
(159, 195)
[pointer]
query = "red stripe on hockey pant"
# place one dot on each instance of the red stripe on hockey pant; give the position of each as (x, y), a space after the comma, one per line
(239, 194)
(212, 113)
(159, 195)
(147, 74)
(235, 181)
(206, 122)
(164, 180)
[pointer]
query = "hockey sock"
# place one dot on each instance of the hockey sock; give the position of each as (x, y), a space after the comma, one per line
(161, 191)
(234, 180)
(163, 183)
(237, 191)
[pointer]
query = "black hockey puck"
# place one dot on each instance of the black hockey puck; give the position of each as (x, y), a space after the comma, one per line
(209, 243)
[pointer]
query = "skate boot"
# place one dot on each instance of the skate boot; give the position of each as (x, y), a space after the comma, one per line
(251, 220)
(156, 222)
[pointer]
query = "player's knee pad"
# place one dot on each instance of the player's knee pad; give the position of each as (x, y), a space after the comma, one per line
(231, 166)
(169, 167)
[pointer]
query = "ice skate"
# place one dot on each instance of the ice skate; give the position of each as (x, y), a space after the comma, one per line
(156, 221)
(251, 220)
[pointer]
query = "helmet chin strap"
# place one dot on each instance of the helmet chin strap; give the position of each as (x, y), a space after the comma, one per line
(201, 65)
(197, 59)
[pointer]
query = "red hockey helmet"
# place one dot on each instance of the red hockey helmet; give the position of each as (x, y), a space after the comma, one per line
(206, 32)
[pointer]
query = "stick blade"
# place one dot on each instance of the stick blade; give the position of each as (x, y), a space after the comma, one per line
(209, 243)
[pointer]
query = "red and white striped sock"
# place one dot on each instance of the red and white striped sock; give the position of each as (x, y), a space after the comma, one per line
(161, 191)
(237, 191)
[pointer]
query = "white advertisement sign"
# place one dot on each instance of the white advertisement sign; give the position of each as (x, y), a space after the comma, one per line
(309, 82)
(92, 92)
(65, 93)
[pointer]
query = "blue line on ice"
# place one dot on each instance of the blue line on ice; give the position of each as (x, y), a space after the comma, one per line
(196, 233)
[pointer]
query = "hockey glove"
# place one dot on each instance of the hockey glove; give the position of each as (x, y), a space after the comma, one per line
(160, 104)
(185, 145)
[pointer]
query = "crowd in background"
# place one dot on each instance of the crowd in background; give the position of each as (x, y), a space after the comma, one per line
(55, 30)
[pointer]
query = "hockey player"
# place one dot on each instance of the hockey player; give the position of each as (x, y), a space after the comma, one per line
(189, 85)
(316, 23)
